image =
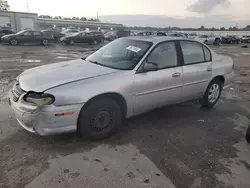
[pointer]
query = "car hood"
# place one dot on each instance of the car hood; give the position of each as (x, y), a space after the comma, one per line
(9, 35)
(42, 78)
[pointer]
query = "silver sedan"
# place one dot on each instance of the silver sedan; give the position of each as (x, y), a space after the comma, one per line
(127, 77)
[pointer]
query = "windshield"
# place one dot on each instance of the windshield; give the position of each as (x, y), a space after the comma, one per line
(122, 54)
(20, 32)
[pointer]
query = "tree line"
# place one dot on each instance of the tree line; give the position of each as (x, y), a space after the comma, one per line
(69, 18)
(202, 28)
(4, 6)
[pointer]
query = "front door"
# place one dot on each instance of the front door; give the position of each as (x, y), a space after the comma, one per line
(197, 69)
(25, 37)
(153, 89)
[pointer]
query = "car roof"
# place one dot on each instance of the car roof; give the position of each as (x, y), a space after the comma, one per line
(156, 39)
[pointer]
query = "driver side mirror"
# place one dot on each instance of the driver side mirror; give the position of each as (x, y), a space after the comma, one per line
(150, 66)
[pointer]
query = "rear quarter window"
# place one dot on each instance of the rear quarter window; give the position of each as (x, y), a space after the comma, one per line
(207, 54)
(192, 52)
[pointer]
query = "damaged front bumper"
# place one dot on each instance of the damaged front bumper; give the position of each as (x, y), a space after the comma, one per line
(43, 120)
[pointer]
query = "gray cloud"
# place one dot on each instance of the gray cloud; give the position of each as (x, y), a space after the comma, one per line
(205, 6)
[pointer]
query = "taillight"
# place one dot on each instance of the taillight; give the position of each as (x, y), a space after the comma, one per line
(52, 35)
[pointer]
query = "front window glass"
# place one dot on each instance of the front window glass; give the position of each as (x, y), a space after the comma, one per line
(123, 54)
(164, 55)
(27, 33)
(20, 32)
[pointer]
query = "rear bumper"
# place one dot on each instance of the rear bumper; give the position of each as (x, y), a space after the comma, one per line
(228, 80)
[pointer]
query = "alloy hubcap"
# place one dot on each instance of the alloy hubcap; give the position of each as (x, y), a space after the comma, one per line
(213, 93)
(13, 42)
(45, 42)
(101, 120)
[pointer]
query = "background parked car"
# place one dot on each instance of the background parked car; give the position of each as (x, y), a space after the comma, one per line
(159, 33)
(230, 39)
(245, 39)
(68, 32)
(145, 33)
(209, 39)
(192, 36)
(5, 31)
(112, 35)
(53, 33)
(27, 37)
(83, 37)
(176, 35)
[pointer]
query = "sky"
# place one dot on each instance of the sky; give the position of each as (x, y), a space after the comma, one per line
(229, 10)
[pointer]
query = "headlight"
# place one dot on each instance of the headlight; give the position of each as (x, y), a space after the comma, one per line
(39, 99)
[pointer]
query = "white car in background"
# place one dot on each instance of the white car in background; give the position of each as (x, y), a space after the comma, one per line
(68, 32)
(192, 36)
(209, 39)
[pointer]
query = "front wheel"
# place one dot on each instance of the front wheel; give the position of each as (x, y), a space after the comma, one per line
(13, 42)
(99, 119)
(45, 42)
(212, 94)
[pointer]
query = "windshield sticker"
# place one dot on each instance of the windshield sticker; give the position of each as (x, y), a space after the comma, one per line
(133, 49)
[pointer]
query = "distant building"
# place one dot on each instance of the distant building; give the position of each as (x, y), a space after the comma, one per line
(18, 21)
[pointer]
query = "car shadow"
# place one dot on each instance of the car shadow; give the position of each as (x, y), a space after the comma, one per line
(184, 141)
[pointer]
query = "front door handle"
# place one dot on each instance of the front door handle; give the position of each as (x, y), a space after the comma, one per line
(177, 74)
(209, 69)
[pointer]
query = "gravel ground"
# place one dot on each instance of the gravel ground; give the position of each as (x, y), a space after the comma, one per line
(182, 146)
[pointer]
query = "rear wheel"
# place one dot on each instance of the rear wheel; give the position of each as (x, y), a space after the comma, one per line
(218, 41)
(99, 119)
(95, 42)
(71, 42)
(45, 42)
(13, 42)
(212, 94)
(248, 134)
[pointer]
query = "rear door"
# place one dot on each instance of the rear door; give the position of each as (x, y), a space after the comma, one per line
(197, 69)
(83, 38)
(37, 36)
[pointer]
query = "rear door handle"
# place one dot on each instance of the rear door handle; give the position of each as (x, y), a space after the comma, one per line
(177, 74)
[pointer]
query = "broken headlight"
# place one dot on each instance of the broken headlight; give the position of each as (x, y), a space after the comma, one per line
(39, 99)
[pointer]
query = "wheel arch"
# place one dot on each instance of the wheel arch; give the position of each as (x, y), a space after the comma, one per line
(112, 95)
(219, 77)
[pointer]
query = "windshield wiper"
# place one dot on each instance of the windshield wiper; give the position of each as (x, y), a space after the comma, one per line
(97, 63)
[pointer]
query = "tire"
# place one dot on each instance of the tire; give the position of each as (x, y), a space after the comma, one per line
(95, 42)
(212, 94)
(218, 42)
(206, 42)
(71, 42)
(248, 135)
(99, 119)
(45, 42)
(13, 42)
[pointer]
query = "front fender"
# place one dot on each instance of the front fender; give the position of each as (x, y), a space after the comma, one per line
(82, 91)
